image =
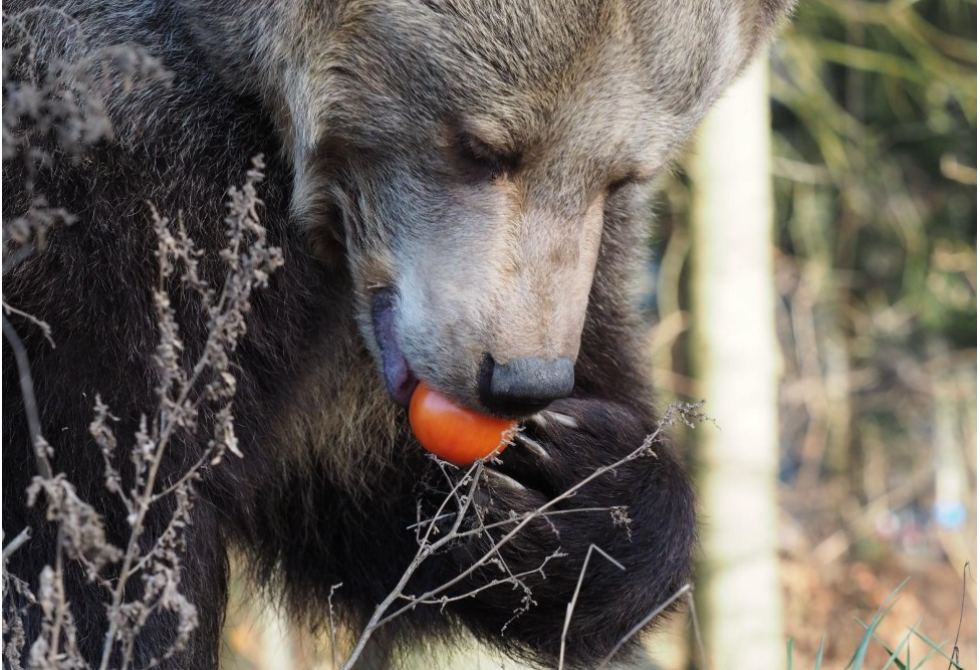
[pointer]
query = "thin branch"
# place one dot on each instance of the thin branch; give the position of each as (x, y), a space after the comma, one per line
(425, 550)
(511, 578)
(955, 656)
(698, 640)
(16, 543)
(574, 601)
(638, 627)
(515, 519)
(30, 402)
(646, 445)
(333, 626)
(43, 325)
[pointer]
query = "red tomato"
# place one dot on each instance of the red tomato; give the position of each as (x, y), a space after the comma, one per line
(454, 433)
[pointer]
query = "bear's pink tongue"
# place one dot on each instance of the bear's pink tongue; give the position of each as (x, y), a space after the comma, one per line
(399, 379)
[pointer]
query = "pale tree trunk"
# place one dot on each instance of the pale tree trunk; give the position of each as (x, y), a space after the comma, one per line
(736, 357)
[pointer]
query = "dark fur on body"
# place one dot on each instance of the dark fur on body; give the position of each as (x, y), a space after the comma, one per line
(330, 477)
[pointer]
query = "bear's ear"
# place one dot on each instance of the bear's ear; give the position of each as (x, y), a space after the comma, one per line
(772, 13)
(764, 18)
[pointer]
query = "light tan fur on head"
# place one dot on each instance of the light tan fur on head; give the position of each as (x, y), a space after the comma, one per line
(466, 153)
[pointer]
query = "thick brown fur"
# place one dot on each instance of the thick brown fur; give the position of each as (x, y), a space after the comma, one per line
(360, 107)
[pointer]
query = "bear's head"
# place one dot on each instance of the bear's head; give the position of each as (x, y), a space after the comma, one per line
(463, 157)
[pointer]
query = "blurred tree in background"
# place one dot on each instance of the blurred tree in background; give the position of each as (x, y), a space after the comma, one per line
(735, 358)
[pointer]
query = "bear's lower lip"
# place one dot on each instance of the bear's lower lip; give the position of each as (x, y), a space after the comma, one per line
(399, 378)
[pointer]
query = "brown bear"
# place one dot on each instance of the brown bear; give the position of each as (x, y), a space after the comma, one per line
(459, 191)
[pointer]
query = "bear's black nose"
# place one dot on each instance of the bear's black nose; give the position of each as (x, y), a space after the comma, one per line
(525, 385)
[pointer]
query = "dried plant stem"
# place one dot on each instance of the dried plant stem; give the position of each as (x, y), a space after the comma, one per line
(333, 627)
(30, 402)
(425, 550)
(507, 522)
(428, 547)
(132, 553)
(642, 624)
(61, 100)
(646, 445)
(62, 601)
(43, 325)
(16, 543)
(696, 624)
(574, 601)
(169, 421)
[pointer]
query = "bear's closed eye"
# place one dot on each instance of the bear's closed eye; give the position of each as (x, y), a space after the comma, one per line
(480, 160)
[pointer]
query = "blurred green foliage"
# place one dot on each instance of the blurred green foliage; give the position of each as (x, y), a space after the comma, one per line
(874, 162)
(877, 104)
(875, 132)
